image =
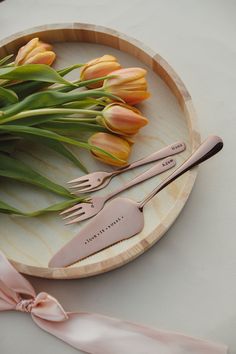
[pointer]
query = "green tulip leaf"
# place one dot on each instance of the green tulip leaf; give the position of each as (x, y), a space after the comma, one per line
(35, 72)
(8, 146)
(17, 170)
(59, 148)
(7, 97)
(51, 98)
(8, 209)
(23, 89)
(36, 120)
(19, 129)
(5, 59)
(84, 83)
(70, 68)
(71, 128)
(56, 207)
(86, 103)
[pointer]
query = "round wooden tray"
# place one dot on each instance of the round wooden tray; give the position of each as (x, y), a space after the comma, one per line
(29, 243)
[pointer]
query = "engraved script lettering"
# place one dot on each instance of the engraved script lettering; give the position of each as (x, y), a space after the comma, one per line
(106, 228)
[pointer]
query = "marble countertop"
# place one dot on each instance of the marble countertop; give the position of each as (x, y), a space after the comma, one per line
(187, 281)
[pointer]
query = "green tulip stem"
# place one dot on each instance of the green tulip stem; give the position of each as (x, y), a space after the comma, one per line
(43, 111)
(79, 120)
(4, 82)
(80, 83)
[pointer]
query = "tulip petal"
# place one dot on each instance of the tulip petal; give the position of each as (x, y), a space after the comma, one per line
(98, 70)
(33, 52)
(129, 84)
(123, 119)
(104, 58)
(132, 97)
(42, 58)
(25, 50)
(115, 145)
(99, 67)
(46, 46)
(125, 75)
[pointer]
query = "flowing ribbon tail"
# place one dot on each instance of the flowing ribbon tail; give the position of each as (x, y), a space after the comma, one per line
(92, 333)
(97, 334)
(12, 279)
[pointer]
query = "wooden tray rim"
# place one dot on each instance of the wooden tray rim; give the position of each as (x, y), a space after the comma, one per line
(106, 36)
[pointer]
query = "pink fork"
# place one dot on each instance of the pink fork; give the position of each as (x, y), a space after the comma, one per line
(98, 180)
(82, 211)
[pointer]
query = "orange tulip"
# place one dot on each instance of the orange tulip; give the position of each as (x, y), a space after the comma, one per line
(114, 145)
(129, 84)
(122, 119)
(99, 67)
(35, 52)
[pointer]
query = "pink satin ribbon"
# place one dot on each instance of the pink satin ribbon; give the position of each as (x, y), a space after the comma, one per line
(92, 333)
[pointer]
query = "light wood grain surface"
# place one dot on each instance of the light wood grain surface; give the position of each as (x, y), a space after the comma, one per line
(30, 243)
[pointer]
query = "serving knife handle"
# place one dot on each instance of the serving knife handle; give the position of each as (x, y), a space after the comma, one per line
(167, 151)
(206, 150)
(159, 168)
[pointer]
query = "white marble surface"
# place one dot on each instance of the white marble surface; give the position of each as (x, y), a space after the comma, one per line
(186, 282)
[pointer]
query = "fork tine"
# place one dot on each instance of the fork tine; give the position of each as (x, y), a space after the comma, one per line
(75, 213)
(79, 186)
(80, 180)
(78, 183)
(91, 188)
(79, 218)
(75, 207)
(84, 190)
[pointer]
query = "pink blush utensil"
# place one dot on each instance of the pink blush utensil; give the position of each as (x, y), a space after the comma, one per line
(98, 180)
(94, 205)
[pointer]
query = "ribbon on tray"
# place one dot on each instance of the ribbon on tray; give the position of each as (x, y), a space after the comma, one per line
(89, 332)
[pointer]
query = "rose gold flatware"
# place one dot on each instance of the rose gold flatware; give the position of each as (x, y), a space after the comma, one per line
(123, 218)
(98, 180)
(93, 205)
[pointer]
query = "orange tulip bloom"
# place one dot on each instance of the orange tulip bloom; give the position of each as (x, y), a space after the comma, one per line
(122, 119)
(35, 52)
(99, 67)
(129, 84)
(114, 145)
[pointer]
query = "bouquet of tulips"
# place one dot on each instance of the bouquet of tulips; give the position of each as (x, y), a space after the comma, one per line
(37, 103)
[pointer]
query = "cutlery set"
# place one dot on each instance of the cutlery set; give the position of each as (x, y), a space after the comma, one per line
(93, 205)
(121, 218)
